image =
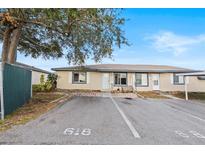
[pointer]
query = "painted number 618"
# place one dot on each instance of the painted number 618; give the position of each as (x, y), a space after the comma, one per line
(73, 131)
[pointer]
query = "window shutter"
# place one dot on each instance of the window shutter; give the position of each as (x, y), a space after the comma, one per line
(70, 77)
(172, 78)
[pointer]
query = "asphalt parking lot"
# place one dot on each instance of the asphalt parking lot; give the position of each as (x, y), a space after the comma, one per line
(111, 120)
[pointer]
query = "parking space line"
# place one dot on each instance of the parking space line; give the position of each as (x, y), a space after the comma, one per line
(193, 116)
(177, 108)
(129, 124)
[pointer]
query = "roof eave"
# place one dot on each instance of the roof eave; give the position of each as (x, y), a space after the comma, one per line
(117, 70)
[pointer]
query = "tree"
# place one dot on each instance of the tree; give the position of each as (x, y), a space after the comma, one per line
(77, 34)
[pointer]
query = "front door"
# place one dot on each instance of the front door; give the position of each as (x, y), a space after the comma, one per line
(155, 81)
(105, 81)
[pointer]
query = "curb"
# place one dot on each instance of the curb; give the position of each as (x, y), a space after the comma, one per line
(140, 95)
(171, 97)
(56, 100)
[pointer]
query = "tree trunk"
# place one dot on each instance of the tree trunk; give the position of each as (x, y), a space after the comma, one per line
(14, 43)
(6, 44)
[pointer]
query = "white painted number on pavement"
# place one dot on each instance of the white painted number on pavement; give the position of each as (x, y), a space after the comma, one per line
(197, 134)
(194, 133)
(182, 134)
(77, 131)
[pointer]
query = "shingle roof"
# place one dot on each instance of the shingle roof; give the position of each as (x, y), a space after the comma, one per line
(126, 68)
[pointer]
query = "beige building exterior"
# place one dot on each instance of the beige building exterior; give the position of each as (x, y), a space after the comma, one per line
(111, 77)
(36, 72)
(36, 75)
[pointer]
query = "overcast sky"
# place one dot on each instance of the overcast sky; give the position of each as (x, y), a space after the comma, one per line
(157, 36)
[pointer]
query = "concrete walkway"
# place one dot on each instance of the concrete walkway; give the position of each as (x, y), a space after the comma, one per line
(105, 94)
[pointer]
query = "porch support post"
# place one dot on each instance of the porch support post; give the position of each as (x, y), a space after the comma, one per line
(185, 87)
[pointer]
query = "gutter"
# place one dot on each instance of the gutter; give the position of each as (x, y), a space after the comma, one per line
(192, 74)
(129, 71)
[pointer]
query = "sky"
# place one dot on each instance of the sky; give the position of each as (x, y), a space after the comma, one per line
(157, 36)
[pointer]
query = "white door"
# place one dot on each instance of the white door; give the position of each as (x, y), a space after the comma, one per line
(105, 81)
(155, 81)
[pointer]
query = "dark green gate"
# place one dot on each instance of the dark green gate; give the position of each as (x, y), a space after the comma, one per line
(16, 87)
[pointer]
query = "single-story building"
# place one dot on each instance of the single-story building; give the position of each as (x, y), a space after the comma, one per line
(36, 72)
(109, 77)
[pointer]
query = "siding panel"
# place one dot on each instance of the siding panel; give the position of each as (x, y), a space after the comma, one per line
(16, 87)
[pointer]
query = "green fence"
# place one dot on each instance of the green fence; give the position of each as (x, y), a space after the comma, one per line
(16, 87)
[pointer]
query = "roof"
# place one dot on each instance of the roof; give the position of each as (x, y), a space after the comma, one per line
(126, 68)
(202, 73)
(32, 68)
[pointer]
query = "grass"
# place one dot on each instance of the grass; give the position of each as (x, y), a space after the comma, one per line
(150, 94)
(39, 104)
(191, 95)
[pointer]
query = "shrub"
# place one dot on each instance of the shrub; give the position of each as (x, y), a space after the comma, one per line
(46, 87)
(52, 77)
(37, 87)
(42, 79)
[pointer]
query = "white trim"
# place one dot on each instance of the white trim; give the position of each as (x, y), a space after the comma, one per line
(192, 74)
(155, 77)
(105, 81)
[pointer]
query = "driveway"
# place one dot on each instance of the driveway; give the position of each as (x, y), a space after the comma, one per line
(114, 120)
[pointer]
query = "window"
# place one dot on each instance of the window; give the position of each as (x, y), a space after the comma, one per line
(79, 77)
(141, 79)
(120, 78)
(178, 80)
